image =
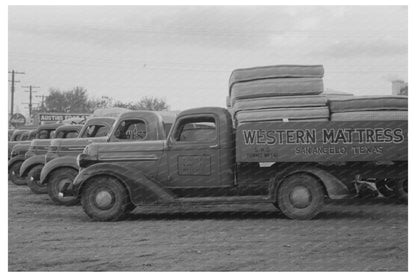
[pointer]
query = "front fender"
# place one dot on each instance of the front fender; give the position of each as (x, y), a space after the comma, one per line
(141, 189)
(65, 161)
(19, 158)
(334, 188)
(31, 162)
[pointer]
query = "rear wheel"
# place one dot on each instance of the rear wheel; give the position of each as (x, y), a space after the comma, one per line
(14, 174)
(401, 190)
(60, 184)
(386, 187)
(33, 180)
(104, 198)
(300, 196)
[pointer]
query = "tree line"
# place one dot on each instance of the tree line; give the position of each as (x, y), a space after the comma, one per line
(76, 100)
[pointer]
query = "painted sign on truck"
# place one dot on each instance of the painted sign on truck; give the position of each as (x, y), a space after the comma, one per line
(325, 141)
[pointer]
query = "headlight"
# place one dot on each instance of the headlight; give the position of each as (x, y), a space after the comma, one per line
(50, 156)
(29, 154)
(84, 160)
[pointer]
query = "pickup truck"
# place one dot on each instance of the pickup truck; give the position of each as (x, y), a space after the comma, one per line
(35, 156)
(294, 165)
(60, 162)
(17, 150)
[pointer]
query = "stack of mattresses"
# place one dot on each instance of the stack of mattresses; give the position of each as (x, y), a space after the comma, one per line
(278, 93)
(369, 108)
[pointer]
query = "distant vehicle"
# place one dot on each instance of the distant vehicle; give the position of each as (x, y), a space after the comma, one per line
(16, 160)
(35, 157)
(36, 151)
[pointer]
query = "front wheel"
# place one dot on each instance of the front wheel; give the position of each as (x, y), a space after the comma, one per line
(33, 180)
(14, 174)
(300, 196)
(104, 198)
(59, 186)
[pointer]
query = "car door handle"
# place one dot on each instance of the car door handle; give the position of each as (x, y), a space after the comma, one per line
(214, 146)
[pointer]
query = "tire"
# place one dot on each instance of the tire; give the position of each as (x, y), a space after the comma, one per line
(14, 174)
(58, 179)
(104, 198)
(300, 196)
(386, 187)
(401, 190)
(33, 180)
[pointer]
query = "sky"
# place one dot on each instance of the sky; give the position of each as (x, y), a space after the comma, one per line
(185, 54)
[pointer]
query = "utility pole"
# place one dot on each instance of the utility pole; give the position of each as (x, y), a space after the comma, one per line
(30, 97)
(12, 89)
(42, 103)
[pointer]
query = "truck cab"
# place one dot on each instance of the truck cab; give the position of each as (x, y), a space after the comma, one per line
(205, 160)
(61, 166)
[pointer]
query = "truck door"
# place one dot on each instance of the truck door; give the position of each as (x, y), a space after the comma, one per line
(193, 154)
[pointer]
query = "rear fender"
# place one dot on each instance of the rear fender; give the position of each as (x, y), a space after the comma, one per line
(60, 162)
(141, 189)
(31, 162)
(19, 158)
(334, 188)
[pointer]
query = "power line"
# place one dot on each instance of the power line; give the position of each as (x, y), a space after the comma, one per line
(13, 81)
(30, 97)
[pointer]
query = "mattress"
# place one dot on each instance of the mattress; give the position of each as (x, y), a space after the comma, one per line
(331, 96)
(280, 102)
(369, 115)
(284, 114)
(275, 71)
(369, 103)
(277, 87)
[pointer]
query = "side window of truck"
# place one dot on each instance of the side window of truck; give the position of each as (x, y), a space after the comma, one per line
(132, 129)
(96, 131)
(202, 129)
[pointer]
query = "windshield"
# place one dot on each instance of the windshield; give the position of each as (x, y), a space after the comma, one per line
(44, 134)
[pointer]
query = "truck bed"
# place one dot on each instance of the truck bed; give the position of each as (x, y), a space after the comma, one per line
(379, 141)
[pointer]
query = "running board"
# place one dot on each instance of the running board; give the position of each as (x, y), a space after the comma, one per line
(223, 200)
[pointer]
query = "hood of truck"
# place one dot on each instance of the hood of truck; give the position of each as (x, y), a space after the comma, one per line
(73, 145)
(39, 146)
(127, 151)
(21, 148)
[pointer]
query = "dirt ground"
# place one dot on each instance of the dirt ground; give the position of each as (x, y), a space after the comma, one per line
(347, 236)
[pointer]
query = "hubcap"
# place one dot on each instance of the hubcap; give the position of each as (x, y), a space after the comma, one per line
(104, 199)
(300, 197)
